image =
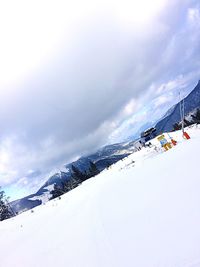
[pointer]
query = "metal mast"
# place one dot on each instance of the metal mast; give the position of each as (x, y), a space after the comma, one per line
(182, 112)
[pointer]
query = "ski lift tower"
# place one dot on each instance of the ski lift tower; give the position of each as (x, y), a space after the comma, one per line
(182, 112)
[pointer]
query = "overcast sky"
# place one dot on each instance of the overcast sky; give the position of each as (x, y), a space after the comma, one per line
(75, 75)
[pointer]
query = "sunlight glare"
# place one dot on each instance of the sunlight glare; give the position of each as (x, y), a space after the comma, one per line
(138, 13)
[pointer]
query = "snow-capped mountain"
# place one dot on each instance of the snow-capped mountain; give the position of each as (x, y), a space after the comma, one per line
(108, 155)
(103, 158)
(141, 212)
(172, 116)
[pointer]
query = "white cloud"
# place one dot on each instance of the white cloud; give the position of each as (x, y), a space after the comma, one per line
(76, 78)
(194, 16)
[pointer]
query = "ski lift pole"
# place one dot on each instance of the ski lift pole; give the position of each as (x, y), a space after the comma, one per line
(181, 113)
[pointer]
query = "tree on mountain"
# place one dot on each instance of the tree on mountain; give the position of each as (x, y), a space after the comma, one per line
(56, 192)
(72, 183)
(64, 187)
(196, 117)
(78, 175)
(82, 176)
(5, 210)
(93, 170)
(187, 123)
(176, 126)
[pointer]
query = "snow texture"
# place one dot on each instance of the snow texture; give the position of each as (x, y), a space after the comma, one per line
(141, 212)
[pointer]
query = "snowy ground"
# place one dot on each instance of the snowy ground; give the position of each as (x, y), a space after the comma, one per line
(142, 212)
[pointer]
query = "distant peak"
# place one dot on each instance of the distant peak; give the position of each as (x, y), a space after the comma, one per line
(197, 86)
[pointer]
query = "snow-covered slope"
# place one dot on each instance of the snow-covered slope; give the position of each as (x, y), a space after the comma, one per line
(142, 212)
(103, 158)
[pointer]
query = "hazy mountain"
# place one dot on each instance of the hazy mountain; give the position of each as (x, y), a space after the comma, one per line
(103, 158)
(172, 116)
(107, 155)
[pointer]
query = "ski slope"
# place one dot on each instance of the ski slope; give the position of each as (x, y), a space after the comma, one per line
(144, 211)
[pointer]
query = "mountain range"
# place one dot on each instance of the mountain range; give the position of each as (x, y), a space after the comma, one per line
(103, 158)
(107, 155)
(172, 116)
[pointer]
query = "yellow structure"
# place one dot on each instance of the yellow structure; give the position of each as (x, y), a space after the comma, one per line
(167, 146)
(164, 143)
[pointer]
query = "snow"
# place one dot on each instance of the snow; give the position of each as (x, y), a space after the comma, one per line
(142, 212)
(45, 196)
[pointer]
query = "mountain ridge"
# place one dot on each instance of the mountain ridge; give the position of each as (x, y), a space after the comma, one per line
(107, 155)
(103, 158)
(191, 102)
